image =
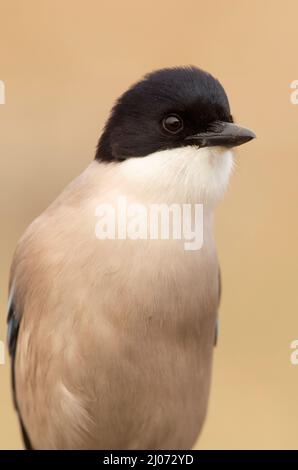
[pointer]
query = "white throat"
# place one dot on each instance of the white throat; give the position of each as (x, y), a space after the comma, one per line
(185, 174)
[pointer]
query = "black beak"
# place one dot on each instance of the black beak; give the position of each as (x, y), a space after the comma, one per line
(222, 133)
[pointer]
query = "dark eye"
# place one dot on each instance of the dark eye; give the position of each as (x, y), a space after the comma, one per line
(172, 123)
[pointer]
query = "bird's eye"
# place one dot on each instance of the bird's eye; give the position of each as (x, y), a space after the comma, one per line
(172, 123)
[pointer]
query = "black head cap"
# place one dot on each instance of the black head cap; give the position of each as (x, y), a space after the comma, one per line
(161, 112)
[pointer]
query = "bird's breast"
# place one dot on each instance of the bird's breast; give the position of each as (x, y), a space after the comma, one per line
(117, 336)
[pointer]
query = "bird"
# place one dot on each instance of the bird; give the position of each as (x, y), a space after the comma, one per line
(111, 340)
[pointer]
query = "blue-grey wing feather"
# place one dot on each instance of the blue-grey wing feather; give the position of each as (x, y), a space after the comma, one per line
(13, 326)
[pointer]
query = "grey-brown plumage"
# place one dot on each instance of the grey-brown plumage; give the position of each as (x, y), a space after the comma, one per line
(111, 340)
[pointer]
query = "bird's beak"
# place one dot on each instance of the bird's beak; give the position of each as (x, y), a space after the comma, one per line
(222, 133)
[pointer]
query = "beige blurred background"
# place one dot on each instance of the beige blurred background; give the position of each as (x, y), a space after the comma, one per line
(64, 63)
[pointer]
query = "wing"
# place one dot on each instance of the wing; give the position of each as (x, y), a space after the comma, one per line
(13, 325)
